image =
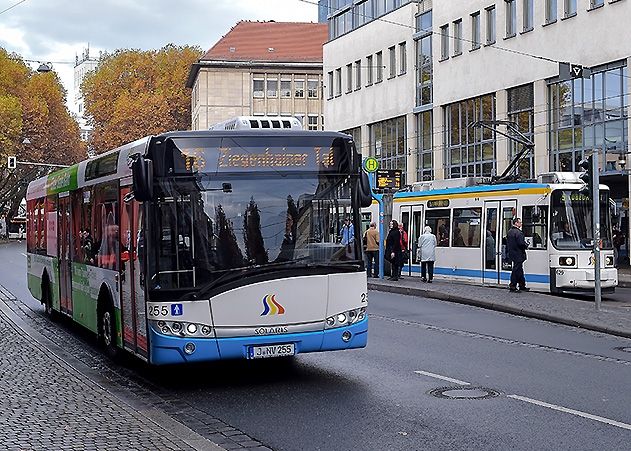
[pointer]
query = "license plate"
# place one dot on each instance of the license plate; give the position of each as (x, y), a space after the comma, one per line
(264, 352)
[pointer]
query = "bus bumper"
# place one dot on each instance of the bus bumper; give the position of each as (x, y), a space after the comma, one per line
(583, 279)
(167, 350)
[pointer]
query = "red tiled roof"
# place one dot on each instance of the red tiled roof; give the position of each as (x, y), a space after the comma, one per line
(288, 41)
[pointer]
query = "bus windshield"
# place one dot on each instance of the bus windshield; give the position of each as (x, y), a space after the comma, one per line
(204, 226)
(571, 225)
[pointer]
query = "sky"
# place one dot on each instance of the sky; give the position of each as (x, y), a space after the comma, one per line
(56, 31)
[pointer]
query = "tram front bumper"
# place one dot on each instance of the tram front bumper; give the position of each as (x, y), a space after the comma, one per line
(584, 279)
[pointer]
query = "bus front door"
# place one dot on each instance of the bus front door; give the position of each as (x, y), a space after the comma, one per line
(132, 291)
(498, 219)
(65, 273)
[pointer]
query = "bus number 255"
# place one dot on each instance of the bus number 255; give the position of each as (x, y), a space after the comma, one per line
(158, 310)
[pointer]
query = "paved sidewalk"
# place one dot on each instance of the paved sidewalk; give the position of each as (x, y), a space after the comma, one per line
(613, 318)
(624, 277)
(45, 404)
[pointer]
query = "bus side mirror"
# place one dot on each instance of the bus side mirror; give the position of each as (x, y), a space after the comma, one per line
(365, 192)
(142, 174)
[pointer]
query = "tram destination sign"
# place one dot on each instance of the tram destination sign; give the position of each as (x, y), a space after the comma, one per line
(388, 179)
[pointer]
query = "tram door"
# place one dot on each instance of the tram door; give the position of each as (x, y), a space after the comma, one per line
(412, 220)
(498, 220)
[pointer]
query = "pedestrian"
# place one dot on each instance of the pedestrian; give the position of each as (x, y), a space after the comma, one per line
(516, 251)
(393, 249)
(617, 241)
(405, 256)
(3, 227)
(426, 253)
(348, 238)
(371, 240)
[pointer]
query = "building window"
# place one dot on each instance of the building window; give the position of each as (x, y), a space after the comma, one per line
(490, 25)
(299, 87)
(393, 61)
(349, 78)
(551, 11)
(570, 8)
(369, 70)
(285, 88)
(529, 14)
(475, 30)
(379, 64)
(444, 42)
(521, 111)
(312, 88)
(338, 81)
(596, 3)
(358, 75)
(356, 133)
(424, 75)
(511, 18)
(388, 144)
(330, 85)
(272, 86)
(470, 151)
(589, 113)
(312, 122)
(457, 37)
(258, 87)
(424, 139)
(424, 22)
(402, 58)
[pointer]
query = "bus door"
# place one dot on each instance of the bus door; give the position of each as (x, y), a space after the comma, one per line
(65, 282)
(498, 217)
(134, 318)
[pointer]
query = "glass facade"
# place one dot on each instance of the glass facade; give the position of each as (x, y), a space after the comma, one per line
(586, 114)
(347, 15)
(521, 110)
(469, 151)
(424, 73)
(388, 144)
(424, 142)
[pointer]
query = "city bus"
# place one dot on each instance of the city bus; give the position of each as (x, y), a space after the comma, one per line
(205, 245)
(471, 221)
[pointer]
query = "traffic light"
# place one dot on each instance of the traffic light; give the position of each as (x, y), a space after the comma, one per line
(12, 162)
(586, 175)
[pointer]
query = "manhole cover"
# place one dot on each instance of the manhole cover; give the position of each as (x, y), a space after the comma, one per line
(464, 392)
(623, 348)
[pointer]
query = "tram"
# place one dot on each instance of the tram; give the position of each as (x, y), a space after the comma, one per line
(471, 222)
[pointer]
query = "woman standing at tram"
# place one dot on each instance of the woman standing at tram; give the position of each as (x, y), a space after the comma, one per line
(393, 249)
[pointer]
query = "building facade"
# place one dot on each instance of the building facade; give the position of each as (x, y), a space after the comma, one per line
(471, 60)
(82, 66)
(261, 69)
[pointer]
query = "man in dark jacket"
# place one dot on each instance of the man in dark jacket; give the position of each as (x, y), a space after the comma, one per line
(516, 250)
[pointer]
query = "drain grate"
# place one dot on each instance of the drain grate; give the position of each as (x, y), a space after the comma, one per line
(623, 348)
(461, 392)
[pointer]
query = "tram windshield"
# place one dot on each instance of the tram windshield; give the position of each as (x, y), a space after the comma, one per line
(571, 224)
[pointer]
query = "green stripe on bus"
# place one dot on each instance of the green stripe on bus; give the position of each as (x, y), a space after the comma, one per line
(62, 181)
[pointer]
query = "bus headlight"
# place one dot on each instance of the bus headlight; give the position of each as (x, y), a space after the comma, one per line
(609, 260)
(346, 318)
(191, 328)
(567, 261)
(180, 329)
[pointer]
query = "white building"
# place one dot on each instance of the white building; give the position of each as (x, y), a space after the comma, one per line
(468, 60)
(82, 66)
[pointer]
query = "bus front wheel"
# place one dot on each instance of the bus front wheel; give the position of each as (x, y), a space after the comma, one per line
(47, 298)
(107, 326)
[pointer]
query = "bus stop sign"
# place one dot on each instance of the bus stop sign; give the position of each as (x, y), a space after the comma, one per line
(371, 164)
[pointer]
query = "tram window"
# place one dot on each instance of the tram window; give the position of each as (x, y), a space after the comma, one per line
(466, 227)
(438, 220)
(535, 226)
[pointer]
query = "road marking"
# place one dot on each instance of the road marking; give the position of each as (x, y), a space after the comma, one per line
(438, 376)
(572, 411)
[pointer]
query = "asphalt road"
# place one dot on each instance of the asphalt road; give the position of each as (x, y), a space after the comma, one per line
(557, 387)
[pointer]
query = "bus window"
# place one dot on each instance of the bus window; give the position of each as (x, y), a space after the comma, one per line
(438, 220)
(466, 227)
(535, 226)
(106, 225)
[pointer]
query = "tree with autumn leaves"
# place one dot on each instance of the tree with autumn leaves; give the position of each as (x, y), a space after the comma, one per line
(134, 93)
(33, 107)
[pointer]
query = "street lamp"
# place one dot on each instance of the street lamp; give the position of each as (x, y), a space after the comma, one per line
(45, 67)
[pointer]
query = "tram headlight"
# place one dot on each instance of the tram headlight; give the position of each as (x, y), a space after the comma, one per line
(567, 261)
(609, 260)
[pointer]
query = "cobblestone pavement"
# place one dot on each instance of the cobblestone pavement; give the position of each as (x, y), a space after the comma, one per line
(73, 411)
(613, 317)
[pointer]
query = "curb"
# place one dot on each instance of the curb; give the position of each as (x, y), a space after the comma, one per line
(421, 292)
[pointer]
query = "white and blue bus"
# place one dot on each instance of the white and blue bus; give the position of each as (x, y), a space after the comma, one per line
(471, 222)
(196, 246)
